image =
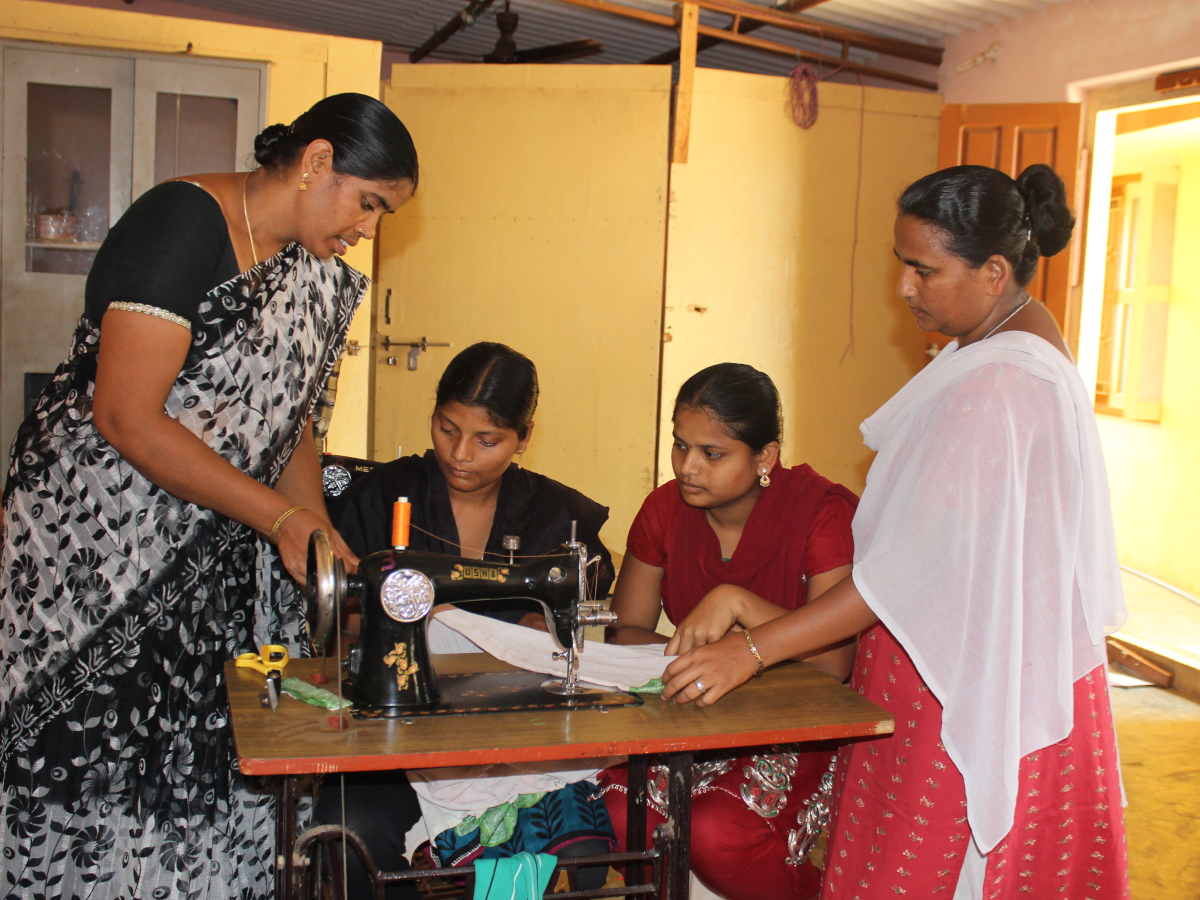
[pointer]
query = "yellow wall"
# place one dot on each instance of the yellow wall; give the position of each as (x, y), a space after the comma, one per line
(1152, 467)
(761, 228)
(540, 224)
(303, 68)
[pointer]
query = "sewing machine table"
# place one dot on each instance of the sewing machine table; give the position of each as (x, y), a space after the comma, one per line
(790, 703)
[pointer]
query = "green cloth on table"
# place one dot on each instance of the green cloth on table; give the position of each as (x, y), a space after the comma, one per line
(496, 825)
(524, 876)
(653, 686)
(313, 695)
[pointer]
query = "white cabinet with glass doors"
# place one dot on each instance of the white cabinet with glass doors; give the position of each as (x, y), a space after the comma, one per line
(85, 133)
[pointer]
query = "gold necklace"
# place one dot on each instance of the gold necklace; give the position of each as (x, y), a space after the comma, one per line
(246, 213)
(1020, 307)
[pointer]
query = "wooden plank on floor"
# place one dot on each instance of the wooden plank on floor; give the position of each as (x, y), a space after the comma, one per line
(1138, 664)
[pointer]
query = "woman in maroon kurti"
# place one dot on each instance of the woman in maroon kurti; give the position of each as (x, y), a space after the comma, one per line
(736, 527)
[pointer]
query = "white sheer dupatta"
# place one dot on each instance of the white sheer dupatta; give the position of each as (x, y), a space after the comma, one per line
(984, 542)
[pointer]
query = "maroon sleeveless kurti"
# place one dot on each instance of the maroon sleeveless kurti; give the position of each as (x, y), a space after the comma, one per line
(799, 527)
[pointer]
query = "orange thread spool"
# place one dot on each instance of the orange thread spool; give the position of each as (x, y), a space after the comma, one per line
(401, 517)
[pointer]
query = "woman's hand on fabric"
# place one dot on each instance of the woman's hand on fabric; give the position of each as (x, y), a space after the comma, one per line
(292, 543)
(710, 621)
(706, 674)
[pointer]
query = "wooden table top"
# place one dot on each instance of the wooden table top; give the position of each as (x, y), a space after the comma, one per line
(789, 703)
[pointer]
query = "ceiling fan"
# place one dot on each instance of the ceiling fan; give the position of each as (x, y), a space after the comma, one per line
(506, 50)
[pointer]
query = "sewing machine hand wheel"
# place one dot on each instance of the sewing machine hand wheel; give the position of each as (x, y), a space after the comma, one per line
(325, 588)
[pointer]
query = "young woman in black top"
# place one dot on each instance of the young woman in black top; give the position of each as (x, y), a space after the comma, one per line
(470, 490)
(467, 493)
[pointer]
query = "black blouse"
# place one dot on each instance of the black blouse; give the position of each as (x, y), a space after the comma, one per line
(537, 509)
(169, 249)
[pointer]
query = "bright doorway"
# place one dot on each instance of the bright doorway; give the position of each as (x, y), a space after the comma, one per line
(1140, 321)
(1131, 239)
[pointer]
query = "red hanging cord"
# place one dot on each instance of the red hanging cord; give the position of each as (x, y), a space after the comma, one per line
(862, 122)
(803, 90)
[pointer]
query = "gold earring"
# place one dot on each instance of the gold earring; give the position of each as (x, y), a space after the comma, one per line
(763, 479)
(304, 182)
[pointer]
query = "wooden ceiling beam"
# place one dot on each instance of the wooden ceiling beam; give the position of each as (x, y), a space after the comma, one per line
(803, 55)
(629, 12)
(786, 20)
(739, 25)
(669, 57)
(790, 21)
(689, 20)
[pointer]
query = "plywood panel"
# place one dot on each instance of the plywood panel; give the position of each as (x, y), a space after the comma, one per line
(540, 224)
(761, 236)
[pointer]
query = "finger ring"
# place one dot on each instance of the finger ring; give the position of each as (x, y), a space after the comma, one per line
(700, 686)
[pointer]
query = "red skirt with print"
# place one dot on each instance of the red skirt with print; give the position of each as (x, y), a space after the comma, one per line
(899, 825)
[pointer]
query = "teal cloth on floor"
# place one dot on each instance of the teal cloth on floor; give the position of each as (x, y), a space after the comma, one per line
(523, 876)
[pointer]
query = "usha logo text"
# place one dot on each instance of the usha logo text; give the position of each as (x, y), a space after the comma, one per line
(478, 573)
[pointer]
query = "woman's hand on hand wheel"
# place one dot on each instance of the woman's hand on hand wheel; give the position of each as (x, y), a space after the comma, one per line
(292, 543)
(710, 621)
(341, 549)
(708, 673)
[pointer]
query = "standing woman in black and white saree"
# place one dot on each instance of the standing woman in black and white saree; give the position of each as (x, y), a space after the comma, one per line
(158, 498)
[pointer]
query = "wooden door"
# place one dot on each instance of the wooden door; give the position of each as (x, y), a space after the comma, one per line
(1011, 137)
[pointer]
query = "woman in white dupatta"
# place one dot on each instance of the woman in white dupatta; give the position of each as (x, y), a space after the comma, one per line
(985, 580)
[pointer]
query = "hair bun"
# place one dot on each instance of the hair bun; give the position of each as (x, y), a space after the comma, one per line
(1050, 219)
(267, 145)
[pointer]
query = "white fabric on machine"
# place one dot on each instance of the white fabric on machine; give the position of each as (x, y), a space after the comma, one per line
(984, 542)
(444, 639)
(610, 665)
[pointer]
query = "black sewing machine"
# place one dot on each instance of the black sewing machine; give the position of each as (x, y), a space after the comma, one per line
(337, 474)
(390, 669)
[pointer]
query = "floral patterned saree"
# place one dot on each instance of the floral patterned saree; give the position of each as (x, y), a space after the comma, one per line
(120, 603)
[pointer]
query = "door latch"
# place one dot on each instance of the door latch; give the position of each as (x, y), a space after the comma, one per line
(415, 349)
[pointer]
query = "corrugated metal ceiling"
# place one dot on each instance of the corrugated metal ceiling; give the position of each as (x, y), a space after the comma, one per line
(405, 24)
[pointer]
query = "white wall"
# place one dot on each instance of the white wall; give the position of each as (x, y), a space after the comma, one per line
(1042, 52)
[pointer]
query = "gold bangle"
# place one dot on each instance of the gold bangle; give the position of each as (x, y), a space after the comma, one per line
(274, 534)
(750, 643)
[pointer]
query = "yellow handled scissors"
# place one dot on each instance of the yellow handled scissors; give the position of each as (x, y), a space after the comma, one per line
(271, 658)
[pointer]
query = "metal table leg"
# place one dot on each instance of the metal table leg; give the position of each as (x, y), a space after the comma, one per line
(285, 834)
(679, 818)
(635, 817)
